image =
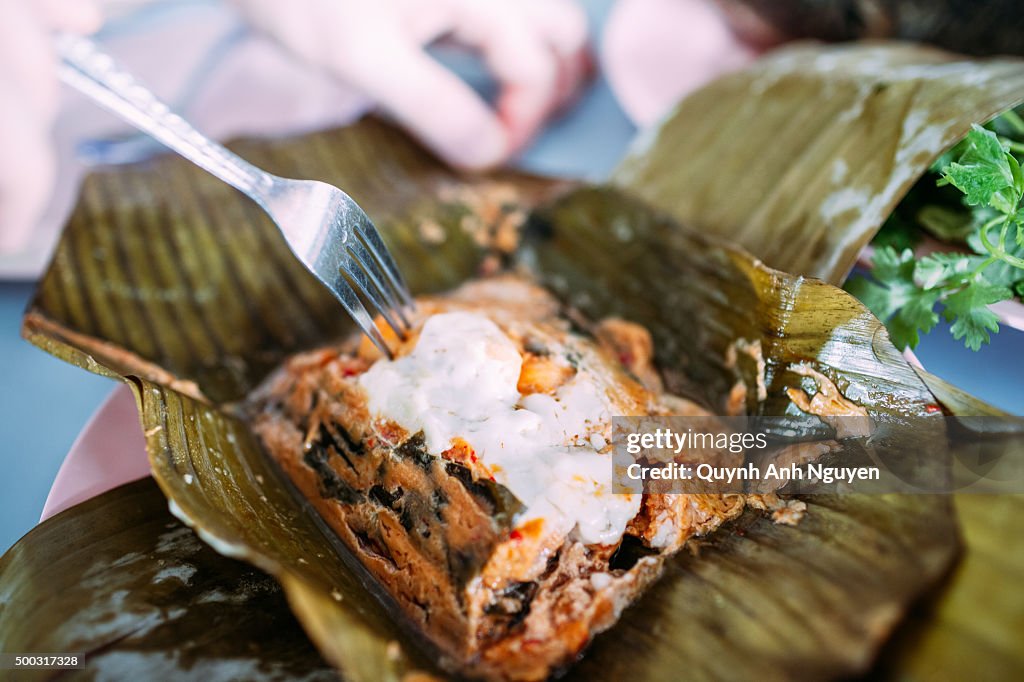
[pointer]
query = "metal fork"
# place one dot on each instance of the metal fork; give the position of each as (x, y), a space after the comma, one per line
(323, 226)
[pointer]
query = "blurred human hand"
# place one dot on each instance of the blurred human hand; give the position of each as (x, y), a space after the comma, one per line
(655, 52)
(535, 48)
(28, 106)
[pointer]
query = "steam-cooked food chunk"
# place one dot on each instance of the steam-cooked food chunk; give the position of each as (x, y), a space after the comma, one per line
(472, 473)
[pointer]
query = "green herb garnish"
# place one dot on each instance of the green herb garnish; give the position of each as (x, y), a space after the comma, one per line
(905, 292)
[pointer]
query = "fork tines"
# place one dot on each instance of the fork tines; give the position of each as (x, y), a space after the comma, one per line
(365, 264)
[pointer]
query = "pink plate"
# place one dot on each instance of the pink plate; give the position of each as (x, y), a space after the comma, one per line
(109, 452)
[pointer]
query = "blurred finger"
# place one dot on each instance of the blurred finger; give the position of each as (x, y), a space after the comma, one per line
(75, 16)
(655, 52)
(566, 27)
(562, 22)
(364, 45)
(573, 71)
(563, 26)
(27, 59)
(520, 59)
(27, 169)
(437, 106)
(425, 22)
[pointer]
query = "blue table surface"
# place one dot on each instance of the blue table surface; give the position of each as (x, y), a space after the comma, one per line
(45, 402)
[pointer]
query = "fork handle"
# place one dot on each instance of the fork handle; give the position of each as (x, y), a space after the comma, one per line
(88, 69)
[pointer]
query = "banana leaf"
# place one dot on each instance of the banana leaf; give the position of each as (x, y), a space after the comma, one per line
(121, 582)
(175, 284)
(973, 624)
(801, 157)
(881, 115)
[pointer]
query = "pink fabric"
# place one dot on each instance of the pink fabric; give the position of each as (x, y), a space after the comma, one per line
(109, 452)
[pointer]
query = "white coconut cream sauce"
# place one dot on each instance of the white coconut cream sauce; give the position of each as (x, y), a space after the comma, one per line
(460, 382)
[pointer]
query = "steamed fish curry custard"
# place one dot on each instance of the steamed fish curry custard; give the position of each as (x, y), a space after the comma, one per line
(471, 475)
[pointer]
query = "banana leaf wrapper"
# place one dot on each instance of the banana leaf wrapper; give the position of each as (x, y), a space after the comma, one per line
(800, 158)
(170, 281)
(119, 580)
(972, 625)
(805, 187)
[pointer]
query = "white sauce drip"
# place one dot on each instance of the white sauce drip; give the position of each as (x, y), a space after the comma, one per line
(460, 382)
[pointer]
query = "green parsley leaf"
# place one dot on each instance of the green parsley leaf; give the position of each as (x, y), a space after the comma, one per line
(872, 295)
(895, 298)
(969, 308)
(891, 265)
(949, 156)
(984, 173)
(916, 315)
(905, 293)
(943, 269)
(1000, 273)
